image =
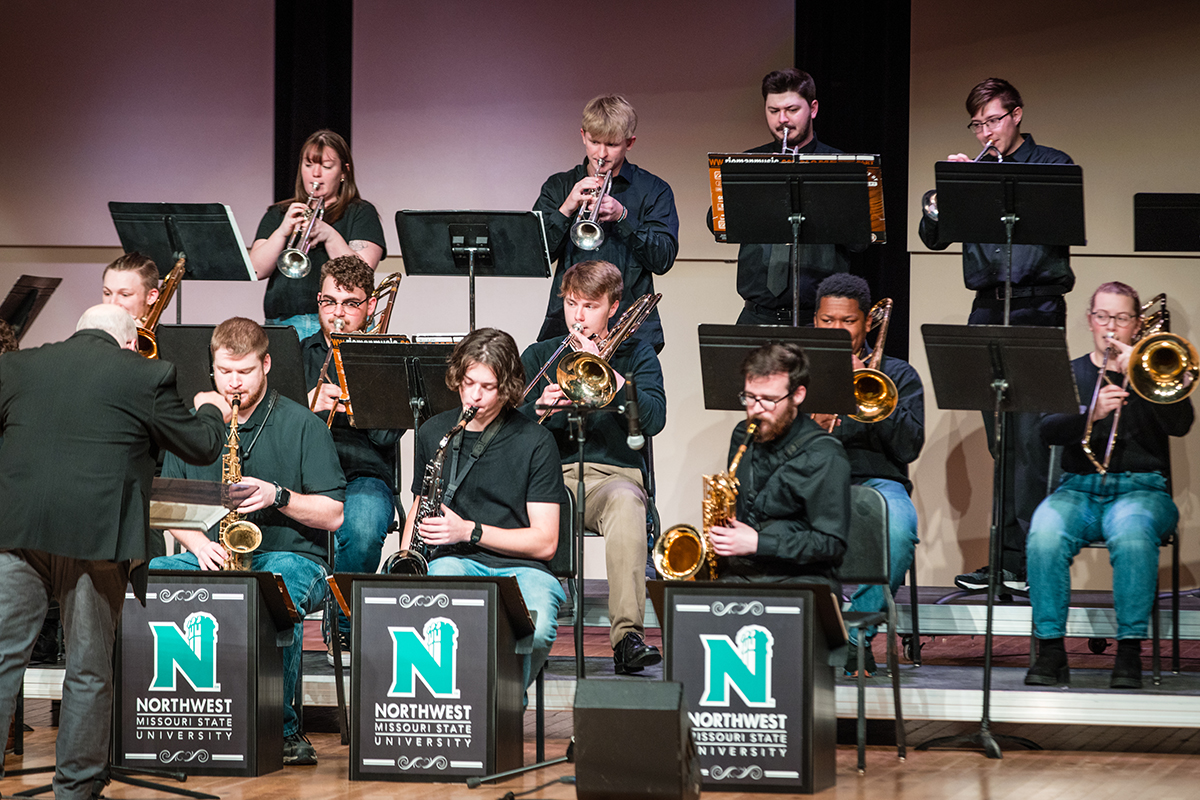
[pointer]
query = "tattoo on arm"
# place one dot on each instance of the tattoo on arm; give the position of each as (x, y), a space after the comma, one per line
(358, 244)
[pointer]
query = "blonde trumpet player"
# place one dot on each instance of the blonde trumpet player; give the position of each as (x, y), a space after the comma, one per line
(793, 504)
(637, 220)
(1129, 508)
(881, 451)
(348, 226)
(615, 495)
(287, 455)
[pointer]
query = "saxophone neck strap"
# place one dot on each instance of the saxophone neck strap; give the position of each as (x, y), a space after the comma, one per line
(272, 399)
(456, 475)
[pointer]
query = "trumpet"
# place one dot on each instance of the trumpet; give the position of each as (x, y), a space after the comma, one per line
(239, 537)
(682, 551)
(147, 340)
(293, 262)
(929, 200)
(586, 233)
(1163, 368)
(875, 393)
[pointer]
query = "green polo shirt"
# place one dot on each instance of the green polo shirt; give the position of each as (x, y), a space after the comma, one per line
(289, 446)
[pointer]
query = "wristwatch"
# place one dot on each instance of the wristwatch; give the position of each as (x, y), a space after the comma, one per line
(282, 496)
(477, 533)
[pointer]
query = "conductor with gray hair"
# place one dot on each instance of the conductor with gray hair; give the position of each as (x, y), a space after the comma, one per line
(83, 421)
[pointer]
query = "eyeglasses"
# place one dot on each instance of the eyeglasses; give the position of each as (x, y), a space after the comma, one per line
(976, 127)
(324, 301)
(1122, 320)
(767, 403)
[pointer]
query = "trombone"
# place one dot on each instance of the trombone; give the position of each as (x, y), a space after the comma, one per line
(147, 340)
(1163, 368)
(586, 233)
(875, 393)
(293, 262)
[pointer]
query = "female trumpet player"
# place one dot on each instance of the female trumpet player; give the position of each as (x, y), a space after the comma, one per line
(349, 226)
(1129, 509)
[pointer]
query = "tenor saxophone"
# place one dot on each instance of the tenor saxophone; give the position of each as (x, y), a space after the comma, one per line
(237, 536)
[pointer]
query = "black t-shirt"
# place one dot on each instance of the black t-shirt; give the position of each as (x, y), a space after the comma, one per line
(519, 466)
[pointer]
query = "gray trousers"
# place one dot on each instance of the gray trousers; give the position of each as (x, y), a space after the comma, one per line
(91, 594)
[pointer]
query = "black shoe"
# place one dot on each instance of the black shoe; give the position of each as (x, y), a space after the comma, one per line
(1050, 669)
(47, 649)
(343, 644)
(632, 654)
(869, 665)
(298, 750)
(978, 580)
(1127, 669)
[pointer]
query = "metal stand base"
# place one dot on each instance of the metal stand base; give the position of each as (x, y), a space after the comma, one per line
(984, 739)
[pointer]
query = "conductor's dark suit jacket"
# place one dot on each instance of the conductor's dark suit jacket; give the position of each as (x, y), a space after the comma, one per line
(83, 421)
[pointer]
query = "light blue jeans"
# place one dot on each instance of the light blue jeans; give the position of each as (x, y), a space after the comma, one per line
(305, 581)
(305, 324)
(902, 543)
(369, 509)
(1131, 512)
(543, 595)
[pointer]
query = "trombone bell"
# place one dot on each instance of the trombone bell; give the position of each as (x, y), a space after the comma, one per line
(586, 379)
(1163, 368)
(875, 394)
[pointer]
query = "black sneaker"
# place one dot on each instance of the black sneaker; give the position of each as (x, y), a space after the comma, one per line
(632, 654)
(1127, 669)
(1050, 669)
(978, 581)
(344, 644)
(298, 750)
(869, 665)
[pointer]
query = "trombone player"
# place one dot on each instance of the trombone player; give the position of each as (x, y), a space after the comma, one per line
(131, 282)
(1125, 503)
(880, 451)
(615, 495)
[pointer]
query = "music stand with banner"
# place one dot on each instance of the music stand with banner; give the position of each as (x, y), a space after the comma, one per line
(754, 661)
(201, 675)
(487, 243)
(723, 348)
(789, 199)
(436, 680)
(1166, 222)
(25, 301)
(187, 347)
(984, 201)
(1001, 369)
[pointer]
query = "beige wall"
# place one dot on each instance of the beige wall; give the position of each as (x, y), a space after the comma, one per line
(1107, 83)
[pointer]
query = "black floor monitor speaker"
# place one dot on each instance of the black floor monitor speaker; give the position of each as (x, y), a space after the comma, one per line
(633, 740)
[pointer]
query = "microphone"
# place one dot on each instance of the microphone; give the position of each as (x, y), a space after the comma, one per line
(635, 440)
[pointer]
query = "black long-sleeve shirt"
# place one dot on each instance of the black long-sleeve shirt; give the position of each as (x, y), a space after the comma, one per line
(1142, 436)
(795, 491)
(885, 449)
(642, 245)
(984, 265)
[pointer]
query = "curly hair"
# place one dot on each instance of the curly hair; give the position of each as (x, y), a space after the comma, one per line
(349, 272)
(496, 350)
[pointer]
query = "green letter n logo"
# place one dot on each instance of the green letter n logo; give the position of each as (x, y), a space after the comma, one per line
(745, 666)
(193, 655)
(432, 657)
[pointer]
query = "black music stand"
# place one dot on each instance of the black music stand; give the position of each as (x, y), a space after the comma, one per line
(983, 202)
(205, 232)
(1166, 222)
(1005, 370)
(25, 301)
(801, 202)
(187, 347)
(490, 243)
(723, 348)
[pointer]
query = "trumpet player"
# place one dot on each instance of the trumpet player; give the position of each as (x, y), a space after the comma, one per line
(637, 218)
(615, 500)
(793, 507)
(287, 455)
(368, 457)
(1041, 277)
(131, 282)
(349, 226)
(879, 452)
(1129, 509)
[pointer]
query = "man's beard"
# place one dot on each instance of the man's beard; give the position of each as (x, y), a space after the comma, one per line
(769, 430)
(247, 400)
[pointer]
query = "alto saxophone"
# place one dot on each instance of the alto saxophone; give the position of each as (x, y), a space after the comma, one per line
(239, 537)
(682, 550)
(414, 559)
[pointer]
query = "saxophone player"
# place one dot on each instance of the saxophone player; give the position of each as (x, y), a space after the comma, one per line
(793, 506)
(502, 487)
(288, 455)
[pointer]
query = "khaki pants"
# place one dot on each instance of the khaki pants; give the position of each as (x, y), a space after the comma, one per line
(616, 508)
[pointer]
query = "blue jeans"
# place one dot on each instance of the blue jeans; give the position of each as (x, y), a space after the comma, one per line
(305, 324)
(902, 543)
(543, 595)
(369, 509)
(305, 581)
(1131, 512)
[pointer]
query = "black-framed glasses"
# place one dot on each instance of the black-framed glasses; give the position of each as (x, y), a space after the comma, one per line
(976, 127)
(768, 403)
(324, 301)
(1123, 320)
